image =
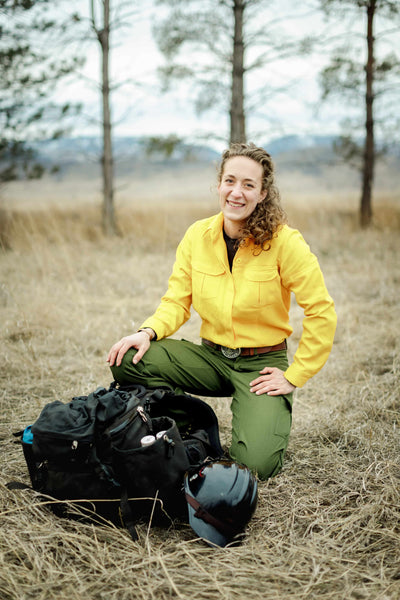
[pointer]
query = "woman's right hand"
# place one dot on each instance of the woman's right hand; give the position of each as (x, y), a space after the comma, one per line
(139, 340)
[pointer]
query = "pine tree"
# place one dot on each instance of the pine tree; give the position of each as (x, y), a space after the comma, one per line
(351, 78)
(30, 68)
(227, 39)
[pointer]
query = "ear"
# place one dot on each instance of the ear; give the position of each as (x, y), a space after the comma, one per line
(263, 195)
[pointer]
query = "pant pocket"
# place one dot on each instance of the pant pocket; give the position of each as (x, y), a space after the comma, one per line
(283, 423)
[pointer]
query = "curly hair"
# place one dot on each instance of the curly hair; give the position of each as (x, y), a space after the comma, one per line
(268, 216)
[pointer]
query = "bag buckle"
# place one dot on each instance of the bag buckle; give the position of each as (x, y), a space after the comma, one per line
(231, 352)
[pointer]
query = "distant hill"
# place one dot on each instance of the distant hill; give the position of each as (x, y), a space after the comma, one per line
(85, 151)
(290, 143)
(306, 167)
(73, 150)
(312, 155)
(80, 155)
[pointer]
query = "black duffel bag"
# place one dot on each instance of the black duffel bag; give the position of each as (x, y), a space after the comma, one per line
(92, 452)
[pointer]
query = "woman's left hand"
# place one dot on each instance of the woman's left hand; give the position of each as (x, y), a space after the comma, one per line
(272, 382)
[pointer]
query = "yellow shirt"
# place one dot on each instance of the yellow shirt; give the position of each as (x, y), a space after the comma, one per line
(249, 307)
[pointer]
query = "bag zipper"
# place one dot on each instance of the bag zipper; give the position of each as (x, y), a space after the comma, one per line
(142, 415)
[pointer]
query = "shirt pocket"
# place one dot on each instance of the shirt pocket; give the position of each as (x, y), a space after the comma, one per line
(207, 279)
(263, 285)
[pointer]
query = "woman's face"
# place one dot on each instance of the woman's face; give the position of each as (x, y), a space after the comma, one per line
(239, 192)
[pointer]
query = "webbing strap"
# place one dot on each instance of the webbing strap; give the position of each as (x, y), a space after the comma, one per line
(204, 515)
(18, 485)
(126, 515)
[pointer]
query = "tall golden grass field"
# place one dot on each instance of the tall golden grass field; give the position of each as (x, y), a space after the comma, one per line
(328, 526)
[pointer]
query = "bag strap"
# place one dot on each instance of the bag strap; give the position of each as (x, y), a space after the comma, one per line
(204, 515)
(18, 485)
(126, 514)
(138, 390)
(197, 435)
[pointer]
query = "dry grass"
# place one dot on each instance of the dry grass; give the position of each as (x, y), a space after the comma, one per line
(326, 528)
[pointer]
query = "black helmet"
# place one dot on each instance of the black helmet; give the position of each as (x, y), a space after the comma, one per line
(221, 497)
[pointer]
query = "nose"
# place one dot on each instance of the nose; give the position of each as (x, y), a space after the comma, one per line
(236, 191)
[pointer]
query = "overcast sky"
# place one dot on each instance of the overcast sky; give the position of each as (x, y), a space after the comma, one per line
(141, 108)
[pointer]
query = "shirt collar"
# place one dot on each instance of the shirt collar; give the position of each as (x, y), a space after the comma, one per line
(215, 226)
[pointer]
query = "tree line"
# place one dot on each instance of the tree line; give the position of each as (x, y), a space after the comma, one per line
(215, 45)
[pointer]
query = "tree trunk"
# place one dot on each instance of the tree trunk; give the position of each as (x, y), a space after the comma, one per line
(369, 150)
(237, 117)
(107, 163)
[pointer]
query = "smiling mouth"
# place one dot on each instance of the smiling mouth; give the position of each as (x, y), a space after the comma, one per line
(235, 204)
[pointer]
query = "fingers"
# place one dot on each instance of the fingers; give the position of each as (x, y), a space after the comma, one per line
(266, 370)
(261, 386)
(268, 375)
(271, 382)
(139, 340)
(111, 356)
(140, 353)
(272, 389)
(117, 353)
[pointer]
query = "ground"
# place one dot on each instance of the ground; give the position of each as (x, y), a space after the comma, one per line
(327, 527)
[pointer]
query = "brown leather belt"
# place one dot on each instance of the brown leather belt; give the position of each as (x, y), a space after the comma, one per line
(235, 352)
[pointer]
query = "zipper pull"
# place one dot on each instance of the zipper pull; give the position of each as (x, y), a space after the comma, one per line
(74, 445)
(145, 418)
(170, 445)
(142, 414)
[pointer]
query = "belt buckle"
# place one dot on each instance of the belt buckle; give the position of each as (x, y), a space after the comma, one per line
(231, 352)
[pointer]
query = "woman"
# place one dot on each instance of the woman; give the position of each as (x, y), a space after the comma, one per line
(237, 269)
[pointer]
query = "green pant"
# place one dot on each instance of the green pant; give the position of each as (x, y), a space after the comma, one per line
(260, 424)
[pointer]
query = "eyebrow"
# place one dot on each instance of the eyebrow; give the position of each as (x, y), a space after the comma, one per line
(246, 179)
